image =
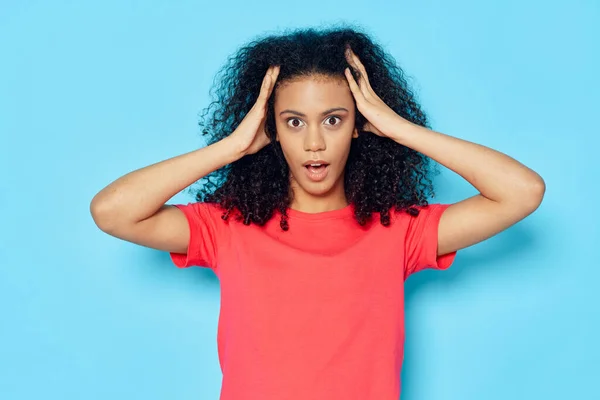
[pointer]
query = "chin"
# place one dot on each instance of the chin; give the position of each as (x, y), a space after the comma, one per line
(318, 189)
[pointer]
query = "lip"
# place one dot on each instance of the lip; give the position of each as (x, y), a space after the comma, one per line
(315, 162)
(317, 177)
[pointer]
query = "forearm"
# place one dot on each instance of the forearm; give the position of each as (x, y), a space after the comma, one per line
(494, 174)
(141, 193)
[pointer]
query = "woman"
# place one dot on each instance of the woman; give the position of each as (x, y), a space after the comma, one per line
(313, 213)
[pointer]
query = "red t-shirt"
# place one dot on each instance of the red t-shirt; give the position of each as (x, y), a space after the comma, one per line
(316, 312)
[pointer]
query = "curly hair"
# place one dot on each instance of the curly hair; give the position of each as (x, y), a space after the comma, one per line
(379, 172)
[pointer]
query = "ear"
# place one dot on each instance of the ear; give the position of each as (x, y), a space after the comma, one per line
(355, 133)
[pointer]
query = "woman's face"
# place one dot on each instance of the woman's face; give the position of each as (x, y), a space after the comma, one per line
(314, 117)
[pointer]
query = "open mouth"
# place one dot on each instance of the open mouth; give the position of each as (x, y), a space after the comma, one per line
(316, 168)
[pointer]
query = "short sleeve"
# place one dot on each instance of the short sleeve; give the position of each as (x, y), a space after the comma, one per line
(421, 241)
(204, 235)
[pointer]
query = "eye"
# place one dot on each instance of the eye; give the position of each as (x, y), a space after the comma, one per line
(294, 125)
(332, 117)
(297, 122)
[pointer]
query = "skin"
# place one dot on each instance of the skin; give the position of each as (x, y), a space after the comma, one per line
(316, 135)
(508, 190)
(133, 207)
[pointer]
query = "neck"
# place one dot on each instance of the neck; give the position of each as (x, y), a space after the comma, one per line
(308, 203)
(333, 199)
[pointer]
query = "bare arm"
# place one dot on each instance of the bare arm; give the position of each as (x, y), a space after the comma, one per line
(509, 190)
(133, 207)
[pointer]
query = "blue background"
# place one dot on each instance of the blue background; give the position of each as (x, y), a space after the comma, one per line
(92, 90)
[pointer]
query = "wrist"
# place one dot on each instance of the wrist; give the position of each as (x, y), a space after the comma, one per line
(403, 131)
(231, 148)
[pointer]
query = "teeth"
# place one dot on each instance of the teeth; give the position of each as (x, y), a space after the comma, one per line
(315, 165)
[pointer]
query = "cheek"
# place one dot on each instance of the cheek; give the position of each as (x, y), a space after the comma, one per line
(341, 144)
(291, 145)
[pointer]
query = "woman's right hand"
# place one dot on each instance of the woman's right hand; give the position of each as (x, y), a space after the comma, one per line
(250, 135)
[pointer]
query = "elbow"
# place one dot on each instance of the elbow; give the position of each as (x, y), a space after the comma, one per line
(101, 214)
(536, 192)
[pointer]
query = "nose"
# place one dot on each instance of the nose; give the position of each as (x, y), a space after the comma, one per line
(314, 140)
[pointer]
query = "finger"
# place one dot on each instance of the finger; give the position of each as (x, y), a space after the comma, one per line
(366, 85)
(261, 101)
(362, 72)
(268, 83)
(363, 78)
(265, 83)
(273, 73)
(353, 64)
(354, 88)
(360, 67)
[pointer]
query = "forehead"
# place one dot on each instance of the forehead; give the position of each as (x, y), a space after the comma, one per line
(314, 93)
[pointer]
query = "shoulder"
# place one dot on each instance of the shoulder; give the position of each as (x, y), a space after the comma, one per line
(203, 209)
(204, 214)
(418, 214)
(419, 210)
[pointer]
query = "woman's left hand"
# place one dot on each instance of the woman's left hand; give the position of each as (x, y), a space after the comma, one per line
(382, 120)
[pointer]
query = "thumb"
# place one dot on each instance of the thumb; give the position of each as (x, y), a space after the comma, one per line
(370, 128)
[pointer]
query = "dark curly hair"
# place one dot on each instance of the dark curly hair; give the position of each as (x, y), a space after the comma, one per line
(379, 172)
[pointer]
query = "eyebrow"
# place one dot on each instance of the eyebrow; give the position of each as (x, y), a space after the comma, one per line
(323, 113)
